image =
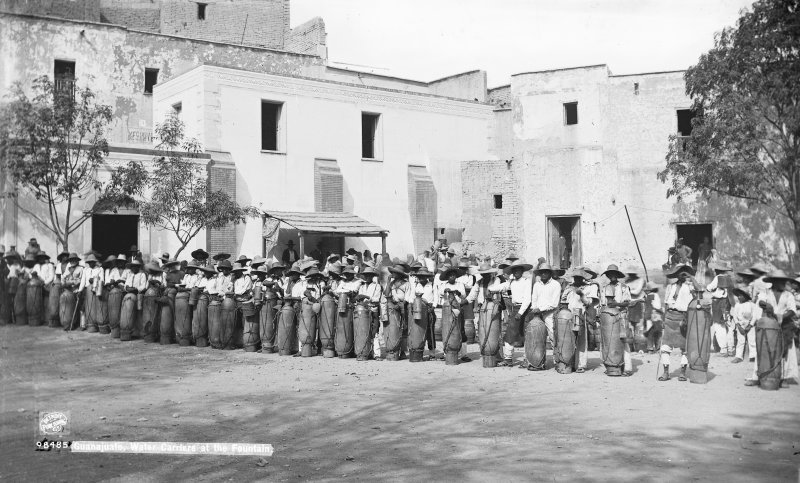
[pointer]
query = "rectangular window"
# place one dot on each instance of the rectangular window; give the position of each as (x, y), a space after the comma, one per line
(150, 79)
(570, 113)
(201, 11)
(270, 124)
(64, 68)
(685, 117)
(177, 108)
(369, 130)
(498, 202)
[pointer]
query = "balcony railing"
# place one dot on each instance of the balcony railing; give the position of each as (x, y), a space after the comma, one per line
(64, 85)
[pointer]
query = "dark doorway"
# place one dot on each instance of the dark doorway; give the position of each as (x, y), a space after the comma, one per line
(114, 234)
(693, 235)
(564, 241)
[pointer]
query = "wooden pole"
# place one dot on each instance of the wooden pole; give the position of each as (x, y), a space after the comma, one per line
(383, 243)
(646, 277)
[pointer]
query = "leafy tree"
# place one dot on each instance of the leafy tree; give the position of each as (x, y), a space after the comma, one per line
(176, 195)
(52, 145)
(745, 139)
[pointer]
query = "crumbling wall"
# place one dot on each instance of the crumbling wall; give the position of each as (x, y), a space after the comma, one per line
(88, 10)
(308, 38)
(134, 14)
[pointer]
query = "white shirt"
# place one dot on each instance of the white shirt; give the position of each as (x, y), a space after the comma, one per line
(546, 296)
(242, 285)
(679, 296)
(520, 291)
(95, 275)
(620, 292)
(372, 290)
(746, 314)
(785, 304)
(137, 281)
(46, 271)
(425, 291)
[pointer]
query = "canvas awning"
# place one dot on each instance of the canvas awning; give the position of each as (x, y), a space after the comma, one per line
(328, 224)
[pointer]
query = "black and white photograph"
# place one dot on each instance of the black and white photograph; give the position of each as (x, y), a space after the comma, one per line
(400, 240)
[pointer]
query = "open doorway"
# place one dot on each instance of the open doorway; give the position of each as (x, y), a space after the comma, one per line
(114, 234)
(564, 241)
(694, 234)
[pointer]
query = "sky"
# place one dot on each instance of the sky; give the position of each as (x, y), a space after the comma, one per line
(429, 39)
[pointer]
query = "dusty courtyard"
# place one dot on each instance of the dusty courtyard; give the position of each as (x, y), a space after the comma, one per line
(332, 419)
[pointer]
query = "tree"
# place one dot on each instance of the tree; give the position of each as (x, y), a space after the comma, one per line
(52, 145)
(745, 138)
(176, 196)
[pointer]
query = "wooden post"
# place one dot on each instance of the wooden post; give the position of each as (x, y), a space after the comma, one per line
(383, 243)
(646, 277)
(302, 244)
(263, 238)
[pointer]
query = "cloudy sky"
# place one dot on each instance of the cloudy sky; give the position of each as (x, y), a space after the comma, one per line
(429, 39)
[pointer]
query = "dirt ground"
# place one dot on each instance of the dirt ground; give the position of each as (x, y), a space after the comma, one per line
(332, 419)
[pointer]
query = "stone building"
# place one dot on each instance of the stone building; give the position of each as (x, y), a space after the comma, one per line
(573, 148)
(134, 52)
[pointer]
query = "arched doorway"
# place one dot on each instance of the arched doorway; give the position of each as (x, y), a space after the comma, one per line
(114, 233)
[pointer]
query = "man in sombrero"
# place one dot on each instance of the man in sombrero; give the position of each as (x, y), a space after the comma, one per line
(744, 315)
(617, 294)
(677, 299)
(720, 288)
(779, 303)
(520, 288)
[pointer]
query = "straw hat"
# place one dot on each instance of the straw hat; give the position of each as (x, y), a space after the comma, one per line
(614, 270)
(238, 267)
(171, 263)
(778, 276)
(109, 260)
(512, 256)
(135, 263)
(90, 258)
(223, 264)
(294, 269)
(741, 293)
(153, 268)
(486, 269)
(368, 271)
(62, 256)
(243, 259)
(42, 256)
(451, 271)
(121, 258)
(222, 256)
(314, 272)
(399, 269)
(679, 270)
(721, 266)
(543, 267)
(423, 273)
(258, 260)
(518, 263)
(760, 268)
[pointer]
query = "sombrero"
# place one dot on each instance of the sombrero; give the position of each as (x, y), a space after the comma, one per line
(348, 269)
(576, 272)
(368, 271)
(72, 256)
(222, 256)
(152, 267)
(512, 256)
(295, 268)
(486, 269)
(243, 259)
(258, 260)
(741, 293)
(63, 255)
(43, 255)
(274, 267)
(746, 273)
(224, 264)
(588, 270)
(760, 268)
(171, 263)
(518, 263)
(31, 259)
(238, 267)
(614, 270)
(259, 271)
(90, 258)
(778, 276)
(543, 267)
(110, 259)
(135, 263)
(314, 272)
(721, 266)
(206, 269)
(424, 273)
(679, 270)
(451, 271)
(200, 254)
(399, 269)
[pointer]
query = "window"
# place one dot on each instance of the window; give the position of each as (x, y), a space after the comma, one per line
(369, 131)
(685, 117)
(498, 202)
(64, 76)
(201, 11)
(177, 108)
(150, 79)
(570, 113)
(270, 124)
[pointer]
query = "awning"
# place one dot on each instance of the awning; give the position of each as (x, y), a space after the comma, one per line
(328, 223)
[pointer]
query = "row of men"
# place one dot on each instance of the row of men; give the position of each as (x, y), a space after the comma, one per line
(465, 288)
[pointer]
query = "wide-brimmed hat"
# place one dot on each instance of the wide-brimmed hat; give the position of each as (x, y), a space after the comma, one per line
(109, 259)
(543, 267)
(224, 264)
(42, 255)
(243, 259)
(259, 271)
(721, 266)
(258, 260)
(512, 256)
(451, 271)
(423, 273)
(200, 254)
(333, 257)
(153, 267)
(679, 270)
(742, 293)
(577, 272)
(164, 257)
(206, 269)
(348, 269)
(30, 258)
(351, 251)
(238, 267)
(335, 271)
(451, 251)
(368, 271)
(275, 267)
(746, 273)
(399, 269)
(518, 263)
(222, 256)
(121, 258)
(614, 270)
(171, 263)
(135, 263)
(90, 258)
(314, 272)
(295, 268)
(62, 256)
(760, 268)
(588, 270)
(778, 276)
(414, 267)
(72, 256)
(486, 269)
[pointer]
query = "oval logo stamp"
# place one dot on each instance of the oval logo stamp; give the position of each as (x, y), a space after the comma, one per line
(53, 422)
